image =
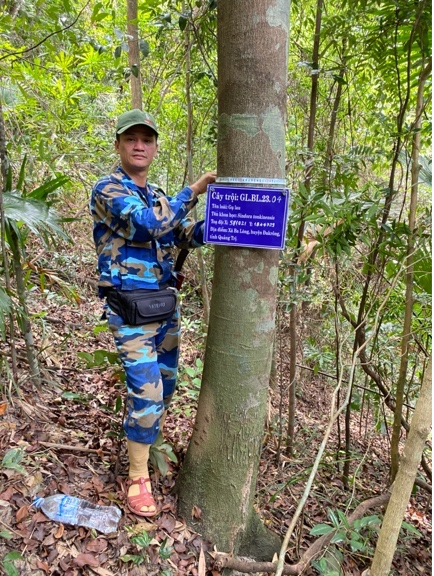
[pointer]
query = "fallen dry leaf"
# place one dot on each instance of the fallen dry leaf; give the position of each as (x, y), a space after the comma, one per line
(86, 560)
(196, 512)
(140, 526)
(101, 571)
(43, 566)
(96, 545)
(201, 568)
(22, 512)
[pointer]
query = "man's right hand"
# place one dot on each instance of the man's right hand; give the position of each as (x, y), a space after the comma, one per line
(199, 187)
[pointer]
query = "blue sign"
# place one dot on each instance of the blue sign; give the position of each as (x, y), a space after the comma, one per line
(250, 217)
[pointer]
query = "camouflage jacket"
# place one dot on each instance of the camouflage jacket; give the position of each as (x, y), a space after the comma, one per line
(135, 230)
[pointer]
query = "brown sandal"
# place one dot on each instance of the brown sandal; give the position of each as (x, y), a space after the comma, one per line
(144, 498)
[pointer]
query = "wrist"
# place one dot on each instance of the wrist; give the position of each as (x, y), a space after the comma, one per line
(195, 189)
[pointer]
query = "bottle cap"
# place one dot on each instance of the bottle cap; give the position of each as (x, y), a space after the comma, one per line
(37, 502)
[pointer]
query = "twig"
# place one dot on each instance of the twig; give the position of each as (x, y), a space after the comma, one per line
(346, 382)
(20, 52)
(9, 353)
(98, 451)
(11, 529)
(422, 484)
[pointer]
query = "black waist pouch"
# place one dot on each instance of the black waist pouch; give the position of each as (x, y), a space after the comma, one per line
(139, 307)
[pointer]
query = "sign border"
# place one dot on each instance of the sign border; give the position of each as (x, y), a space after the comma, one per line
(258, 189)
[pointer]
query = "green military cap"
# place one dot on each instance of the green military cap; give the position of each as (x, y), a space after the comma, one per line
(133, 118)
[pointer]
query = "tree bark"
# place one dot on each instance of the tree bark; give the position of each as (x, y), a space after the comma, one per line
(401, 492)
(293, 268)
(134, 54)
(408, 311)
(218, 478)
(189, 145)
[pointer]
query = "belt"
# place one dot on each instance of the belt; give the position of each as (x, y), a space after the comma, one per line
(106, 289)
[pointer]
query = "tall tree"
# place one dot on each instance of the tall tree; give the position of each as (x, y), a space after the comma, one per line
(301, 227)
(409, 299)
(134, 54)
(220, 470)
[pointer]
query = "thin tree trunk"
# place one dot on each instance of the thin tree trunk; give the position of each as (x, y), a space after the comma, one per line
(202, 269)
(338, 361)
(35, 374)
(334, 115)
(218, 479)
(4, 171)
(292, 399)
(360, 323)
(408, 312)
(403, 485)
(134, 54)
(293, 268)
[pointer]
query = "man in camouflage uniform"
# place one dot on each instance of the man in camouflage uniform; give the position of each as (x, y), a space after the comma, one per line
(135, 229)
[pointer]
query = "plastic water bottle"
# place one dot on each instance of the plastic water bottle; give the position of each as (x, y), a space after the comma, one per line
(71, 510)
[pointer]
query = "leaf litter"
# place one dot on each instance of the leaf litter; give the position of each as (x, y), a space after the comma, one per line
(68, 438)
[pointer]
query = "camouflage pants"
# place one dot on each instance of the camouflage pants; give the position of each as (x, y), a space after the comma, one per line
(149, 355)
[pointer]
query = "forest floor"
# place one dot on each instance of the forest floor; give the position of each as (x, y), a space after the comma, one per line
(66, 438)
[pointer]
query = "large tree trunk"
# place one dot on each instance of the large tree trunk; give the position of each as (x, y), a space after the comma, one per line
(401, 492)
(217, 481)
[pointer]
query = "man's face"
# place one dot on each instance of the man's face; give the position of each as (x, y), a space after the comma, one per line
(137, 147)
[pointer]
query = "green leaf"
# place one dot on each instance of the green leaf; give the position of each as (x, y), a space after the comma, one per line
(75, 396)
(157, 458)
(43, 191)
(10, 569)
(183, 21)
(103, 327)
(8, 560)
(6, 534)
(143, 539)
(118, 404)
(410, 528)
(334, 518)
(12, 459)
(35, 214)
(137, 560)
(86, 356)
(144, 48)
(321, 529)
(20, 182)
(340, 536)
(357, 546)
(5, 302)
(12, 556)
(168, 450)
